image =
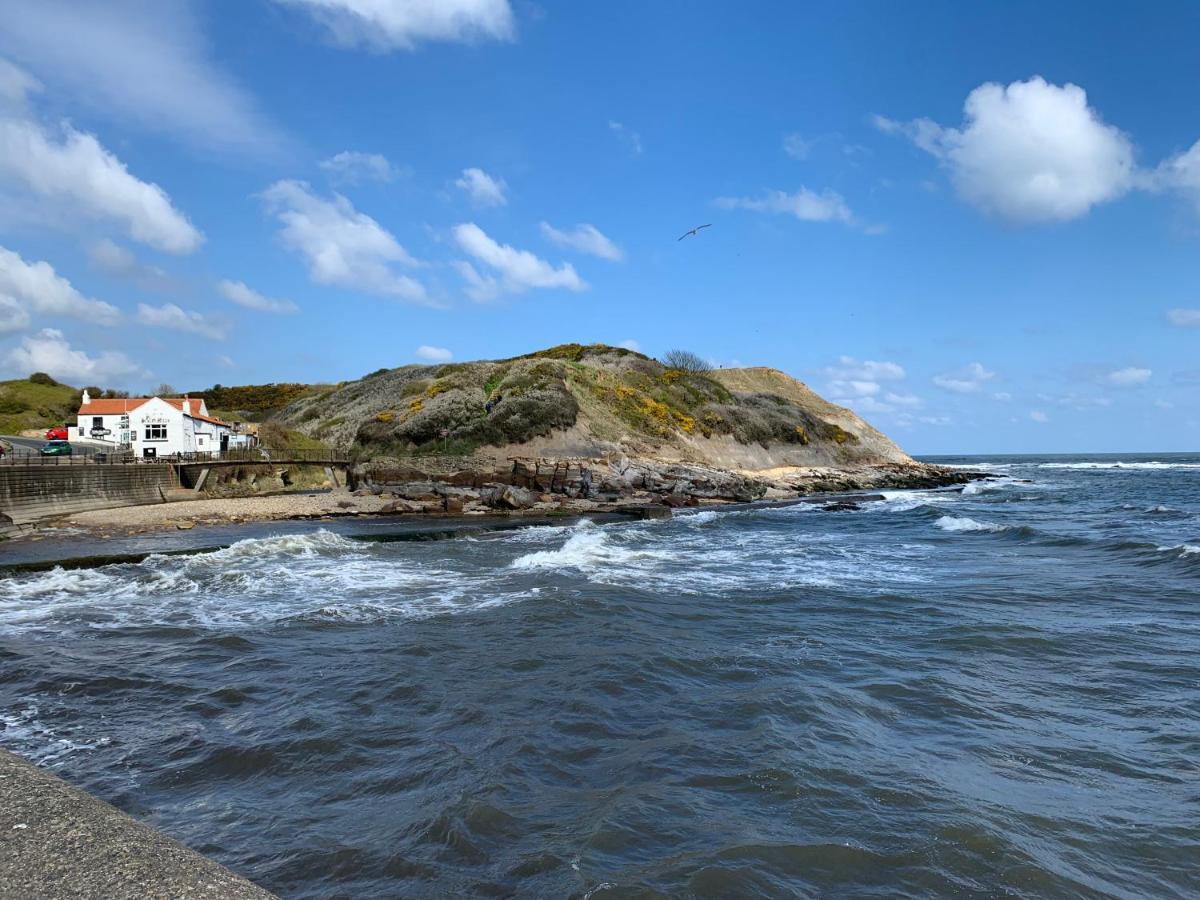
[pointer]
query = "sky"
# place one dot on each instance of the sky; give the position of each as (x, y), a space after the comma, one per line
(976, 224)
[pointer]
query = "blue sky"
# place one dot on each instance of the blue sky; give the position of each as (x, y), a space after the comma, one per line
(977, 224)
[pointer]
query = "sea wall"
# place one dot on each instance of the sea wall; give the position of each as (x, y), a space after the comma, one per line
(61, 842)
(31, 492)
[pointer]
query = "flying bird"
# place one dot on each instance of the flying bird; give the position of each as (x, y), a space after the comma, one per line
(695, 230)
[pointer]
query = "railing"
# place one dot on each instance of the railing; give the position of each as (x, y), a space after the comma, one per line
(23, 456)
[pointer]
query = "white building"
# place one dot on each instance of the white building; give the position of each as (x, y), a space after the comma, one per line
(153, 426)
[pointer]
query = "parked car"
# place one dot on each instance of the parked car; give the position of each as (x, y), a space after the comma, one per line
(58, 433)
(57, 448)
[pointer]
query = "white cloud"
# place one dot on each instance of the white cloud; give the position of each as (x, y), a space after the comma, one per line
(227, 362)
(238, 292)
(15, 83)
(627, 136)
(934, 420)
(109, 256)
(1180, 173)
(1002, 396)
(806, 205)
(482, 188)
(72, 169)
(631, 344)
(516, 270)
(38, 288)
(1184, 318)
(795, 146)
(1038, 416)
(171, 316)
(402, 24)
(434, 354)
(341, 245)
(49, 351)
(586, 239)
(857, 383)
(966, 380)
(1028, 152)
(351, 167)
(146, 63)
(1128, 377)
(13, 316)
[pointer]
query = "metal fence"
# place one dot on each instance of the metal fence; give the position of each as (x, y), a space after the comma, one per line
(23, 456)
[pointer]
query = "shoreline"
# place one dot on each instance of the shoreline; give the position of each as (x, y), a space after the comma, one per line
(185, 527)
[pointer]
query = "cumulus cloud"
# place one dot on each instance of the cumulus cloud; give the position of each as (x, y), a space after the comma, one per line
(482, 188)
(859, 384)
(1128, 377)
(396, 25)
(341, 245)
(238, 292)
(515, 270)
(627, 136)
(1184, 318)
(351, 167)
(49, 351)
(70, 168)
(146, 63)
(804, 204)
(15, 83)
(177, 319)
(434, 354)
(967, 380)
(584, 238)
(1179, 173)
(13, 316)
(38, 288)
(1029, 152)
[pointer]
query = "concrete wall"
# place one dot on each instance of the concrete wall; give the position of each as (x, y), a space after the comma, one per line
(30, 492)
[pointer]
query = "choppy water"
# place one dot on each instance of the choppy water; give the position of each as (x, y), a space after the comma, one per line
(992, 692)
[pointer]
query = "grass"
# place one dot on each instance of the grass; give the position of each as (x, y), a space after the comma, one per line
(28, 406)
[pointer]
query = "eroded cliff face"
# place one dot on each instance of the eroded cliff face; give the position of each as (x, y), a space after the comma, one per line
(594, 402)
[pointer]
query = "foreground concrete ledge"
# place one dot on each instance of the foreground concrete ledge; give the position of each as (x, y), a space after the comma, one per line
(57, 841)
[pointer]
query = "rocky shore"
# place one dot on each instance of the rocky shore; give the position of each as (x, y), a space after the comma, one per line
(528, 486)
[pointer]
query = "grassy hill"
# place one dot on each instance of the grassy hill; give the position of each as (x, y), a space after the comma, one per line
(28, 405)
(585, 400)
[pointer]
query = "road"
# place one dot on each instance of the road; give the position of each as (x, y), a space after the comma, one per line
(23, 446)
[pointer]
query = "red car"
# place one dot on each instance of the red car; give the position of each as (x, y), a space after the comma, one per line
(57, 433)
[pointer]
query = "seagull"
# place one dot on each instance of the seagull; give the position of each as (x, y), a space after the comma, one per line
(693, 231)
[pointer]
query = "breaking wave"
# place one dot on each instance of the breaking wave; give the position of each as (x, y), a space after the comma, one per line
(964, 523)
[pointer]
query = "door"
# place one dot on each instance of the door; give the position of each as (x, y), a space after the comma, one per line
(150, 453)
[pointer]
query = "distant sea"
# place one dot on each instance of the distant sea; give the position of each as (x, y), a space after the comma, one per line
(984, 692)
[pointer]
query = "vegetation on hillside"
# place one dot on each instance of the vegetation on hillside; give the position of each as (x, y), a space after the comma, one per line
(620, 393)
(252, 402)
(28, 405)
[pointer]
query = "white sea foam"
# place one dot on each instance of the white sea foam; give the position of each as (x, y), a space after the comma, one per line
(256, 581)
(589, 548)
(22, 728)
(1118, 464)
(1182, 549)
(963, 523)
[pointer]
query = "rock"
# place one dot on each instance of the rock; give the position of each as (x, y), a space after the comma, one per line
(841, 506)
(675, 501)
(185, 526)
(346, 504)
(452, 505)
(650, 512)
(510, 497)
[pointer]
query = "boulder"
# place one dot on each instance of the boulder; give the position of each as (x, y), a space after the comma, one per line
(510, 497)
(452, 505)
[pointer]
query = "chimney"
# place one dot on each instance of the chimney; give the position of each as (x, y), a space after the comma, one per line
(187, 406)
(86, 397)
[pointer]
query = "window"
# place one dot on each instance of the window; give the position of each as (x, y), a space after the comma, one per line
(156, 432)
(97, 422)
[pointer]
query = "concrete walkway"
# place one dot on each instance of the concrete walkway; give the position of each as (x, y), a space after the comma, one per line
(58, 842)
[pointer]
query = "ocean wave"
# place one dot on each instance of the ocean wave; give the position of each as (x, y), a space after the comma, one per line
(256, 581)
(589, 548)
(964, 523)
(24, 730)
(1152, 466)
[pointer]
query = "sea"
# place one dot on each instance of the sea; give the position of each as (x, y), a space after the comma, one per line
(989, 691)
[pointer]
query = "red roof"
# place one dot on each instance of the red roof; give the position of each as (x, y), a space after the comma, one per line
(129, 404)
